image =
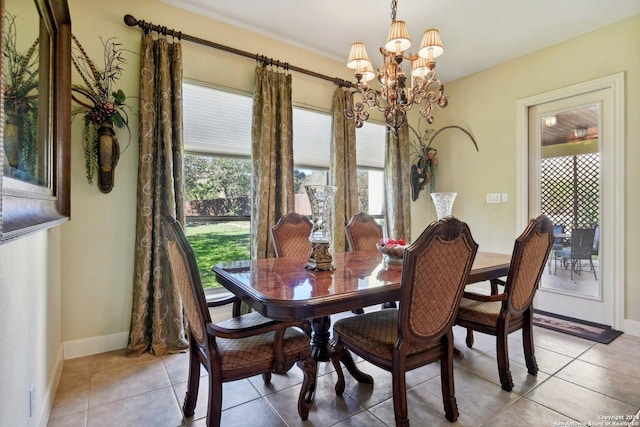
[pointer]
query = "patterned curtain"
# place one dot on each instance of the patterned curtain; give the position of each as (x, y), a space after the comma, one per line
(343, 169)
(272, 157)
(157, 324)
(397, 185)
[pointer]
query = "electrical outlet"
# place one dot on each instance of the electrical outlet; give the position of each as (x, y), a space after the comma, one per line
(32, 400)
(505, 197)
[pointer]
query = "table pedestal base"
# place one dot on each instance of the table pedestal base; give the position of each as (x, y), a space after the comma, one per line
(320, 346)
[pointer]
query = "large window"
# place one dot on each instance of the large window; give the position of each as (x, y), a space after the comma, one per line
(217, 135)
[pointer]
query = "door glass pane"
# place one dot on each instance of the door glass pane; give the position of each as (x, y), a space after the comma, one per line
(570, 197)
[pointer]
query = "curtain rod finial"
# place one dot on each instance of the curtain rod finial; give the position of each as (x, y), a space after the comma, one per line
(130, 20)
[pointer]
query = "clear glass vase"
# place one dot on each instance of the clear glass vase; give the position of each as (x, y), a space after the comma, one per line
(443, 203)
(321, 199)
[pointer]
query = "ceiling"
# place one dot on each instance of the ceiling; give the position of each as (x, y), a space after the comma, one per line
(569, 124)
(476, 34)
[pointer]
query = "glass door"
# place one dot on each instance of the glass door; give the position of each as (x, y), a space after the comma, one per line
(565, 183)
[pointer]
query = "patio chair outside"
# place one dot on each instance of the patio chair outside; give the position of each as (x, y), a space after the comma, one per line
(581, 249)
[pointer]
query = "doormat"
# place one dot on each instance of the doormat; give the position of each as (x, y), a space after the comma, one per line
(579, 328)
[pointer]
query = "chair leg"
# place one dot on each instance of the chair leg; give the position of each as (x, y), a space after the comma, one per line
(266, 377)
(527, 343)
(469, 339)
(400, 394)
(571, 266)
(193, 382)
(494, 286)
(502, 347)
(593, 268)
(549, 264)
(308, 388)
(214, 409)
(447, 383)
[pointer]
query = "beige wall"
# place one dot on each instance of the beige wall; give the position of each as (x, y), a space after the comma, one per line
(30, 336)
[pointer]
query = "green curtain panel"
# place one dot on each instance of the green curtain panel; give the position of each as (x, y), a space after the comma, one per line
(157, 323)
(271, 156)
(397, 185)
(343, 169)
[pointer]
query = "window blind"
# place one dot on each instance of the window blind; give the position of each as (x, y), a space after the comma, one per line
(218, 122)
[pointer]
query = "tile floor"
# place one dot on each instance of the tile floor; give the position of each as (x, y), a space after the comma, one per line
(579, 382)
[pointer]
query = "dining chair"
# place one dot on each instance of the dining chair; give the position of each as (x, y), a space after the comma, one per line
(291, 234)
(558, 242)
(502, 313)
(241, 347)
(363, 232)
(434, 272)
(581, 249)
(596, 241)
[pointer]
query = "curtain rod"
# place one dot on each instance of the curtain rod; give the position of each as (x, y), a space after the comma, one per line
(148, 26)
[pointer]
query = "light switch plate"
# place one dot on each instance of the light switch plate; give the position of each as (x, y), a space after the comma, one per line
(493, 197)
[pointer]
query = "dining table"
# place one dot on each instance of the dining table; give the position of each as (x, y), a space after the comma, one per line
(283, 289)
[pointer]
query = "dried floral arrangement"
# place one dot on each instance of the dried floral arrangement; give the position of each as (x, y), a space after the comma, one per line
(426, 160)
(20, 84)
(97, 99)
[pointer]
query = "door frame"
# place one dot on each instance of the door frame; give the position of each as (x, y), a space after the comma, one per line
(613, 184)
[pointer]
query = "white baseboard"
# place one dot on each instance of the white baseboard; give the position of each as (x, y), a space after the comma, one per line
(631, 327)
(95, 345)
(47, 404)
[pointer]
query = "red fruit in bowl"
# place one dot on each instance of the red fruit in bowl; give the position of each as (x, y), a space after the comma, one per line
(401, 242)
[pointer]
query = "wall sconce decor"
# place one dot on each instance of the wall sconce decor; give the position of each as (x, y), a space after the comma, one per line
(103, 108)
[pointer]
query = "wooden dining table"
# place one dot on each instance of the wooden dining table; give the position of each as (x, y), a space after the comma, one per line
(283, 289)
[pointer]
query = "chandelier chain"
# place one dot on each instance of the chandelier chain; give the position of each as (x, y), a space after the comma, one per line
(394, 10)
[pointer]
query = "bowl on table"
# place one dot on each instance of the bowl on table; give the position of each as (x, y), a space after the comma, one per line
(393, 250)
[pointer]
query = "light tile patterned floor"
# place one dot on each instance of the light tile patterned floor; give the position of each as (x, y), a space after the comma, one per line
(579, 381)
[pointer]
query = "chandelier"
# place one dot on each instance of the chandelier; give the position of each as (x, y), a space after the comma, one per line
(395, 97)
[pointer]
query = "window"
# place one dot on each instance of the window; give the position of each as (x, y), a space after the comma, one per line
(217, 168)
(217, 137)
(370, 142)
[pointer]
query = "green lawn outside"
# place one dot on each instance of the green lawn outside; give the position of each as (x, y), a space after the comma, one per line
(213, 243)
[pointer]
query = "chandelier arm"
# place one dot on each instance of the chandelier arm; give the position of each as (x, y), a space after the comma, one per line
(356, 112)
(426, 112)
